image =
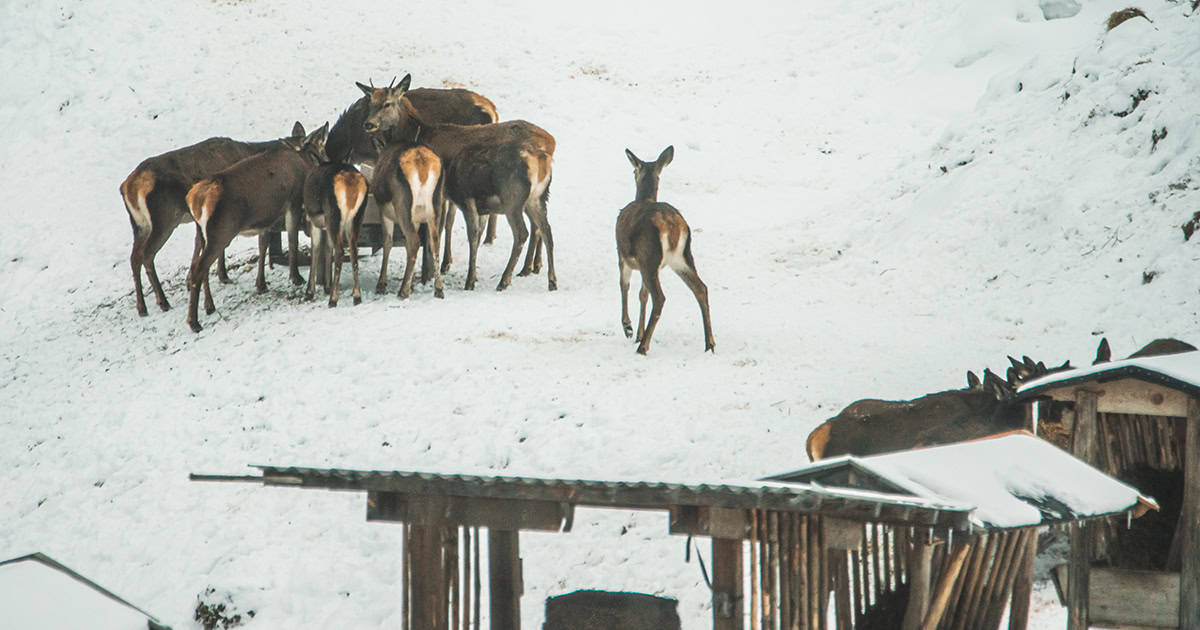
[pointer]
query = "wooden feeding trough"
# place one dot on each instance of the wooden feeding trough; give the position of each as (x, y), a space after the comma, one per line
(832, 546)
(1137, 420)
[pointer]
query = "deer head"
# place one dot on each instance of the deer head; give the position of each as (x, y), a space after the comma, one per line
(313, 143)
(384, 108)
(646, 174)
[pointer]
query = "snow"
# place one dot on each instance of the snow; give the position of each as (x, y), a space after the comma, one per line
(1001, 476)
(39, 597)
(1183, 367)
(882, 195)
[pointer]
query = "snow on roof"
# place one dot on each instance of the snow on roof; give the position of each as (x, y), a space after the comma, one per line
(37, 592)
(1177, 371)
(1013, 480)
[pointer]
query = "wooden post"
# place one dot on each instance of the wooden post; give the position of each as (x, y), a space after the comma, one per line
(504, 579)
(428, 593)
(841, 590)
(754, 620)
(1189, 520)
(920, 570)
(1084, 447)
(727, 584)
(466, 581)
(1018, 612)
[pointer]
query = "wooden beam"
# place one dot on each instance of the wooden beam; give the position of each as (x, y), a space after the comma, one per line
(709, 521)
(727, 585)
(1078, 570)
(504, 514)
(1129, 396)
(504, 575)
(945, 585)
(1189, 582)
(920, 571)
(1022, 594)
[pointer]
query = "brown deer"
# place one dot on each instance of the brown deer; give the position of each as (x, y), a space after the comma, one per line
(503, 168)
(408, 188)
(334, 195)
(869, 427)
(651, 235)
(350, 142)
(154, 195)
(248, 198)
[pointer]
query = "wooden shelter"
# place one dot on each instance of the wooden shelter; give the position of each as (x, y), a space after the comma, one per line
(831, 546)
(1137, 420)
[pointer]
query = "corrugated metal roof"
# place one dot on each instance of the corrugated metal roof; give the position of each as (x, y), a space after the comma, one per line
(813, 499)
(1176, 371)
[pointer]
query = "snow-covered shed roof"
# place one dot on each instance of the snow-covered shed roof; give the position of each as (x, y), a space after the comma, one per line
(1176, 371)
(1011, 480)
(36, 592)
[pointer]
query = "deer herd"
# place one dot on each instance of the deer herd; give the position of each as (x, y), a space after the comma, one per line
(415, 153)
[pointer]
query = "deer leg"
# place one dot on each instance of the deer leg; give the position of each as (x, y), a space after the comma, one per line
(438, 287)
(260, 284)
(448, 212)
(386, 225)
(222, 273)
(354, 257)
(693, 281)
(412, 243)
(626, 272)
(643, 295)
(471, 218)
(650, 280)
(426, 256)
(316, 235)
(337, 267)
(535, 241)
(491, 230)
(293, 229)
(198, 275)
(517, 223)
(541, 224)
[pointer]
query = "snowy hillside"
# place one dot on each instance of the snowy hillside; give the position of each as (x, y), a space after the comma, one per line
(882, 196)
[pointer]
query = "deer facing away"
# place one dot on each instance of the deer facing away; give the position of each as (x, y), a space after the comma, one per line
(650, 236)
(154, 195)
(334, 196)
(248, 198)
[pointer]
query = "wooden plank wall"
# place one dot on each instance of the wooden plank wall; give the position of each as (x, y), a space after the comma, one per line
(440, 578)
(801, 566)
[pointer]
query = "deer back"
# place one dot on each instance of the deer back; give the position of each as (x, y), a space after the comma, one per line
(479, 160)
(255, 192)
(871, 426)
(349, 142)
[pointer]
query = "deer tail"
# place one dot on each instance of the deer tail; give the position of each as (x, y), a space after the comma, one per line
(201, 201)
(134, 191)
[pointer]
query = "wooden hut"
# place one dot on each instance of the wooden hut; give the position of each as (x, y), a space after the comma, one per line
(1137, 420)
(835, 545)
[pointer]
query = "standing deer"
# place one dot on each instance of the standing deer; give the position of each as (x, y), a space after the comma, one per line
(248, 198)
(503, 168)
(651, 235)
(350, 142)
(334, 194)
(154, 195)
(408, 188)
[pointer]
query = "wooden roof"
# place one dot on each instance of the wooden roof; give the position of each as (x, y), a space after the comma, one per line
(1180, 372)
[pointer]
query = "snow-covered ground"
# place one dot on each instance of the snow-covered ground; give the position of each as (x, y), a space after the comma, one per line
(883, 194)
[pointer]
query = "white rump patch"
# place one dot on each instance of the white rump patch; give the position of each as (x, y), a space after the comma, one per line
(674, 257)
(422, 210)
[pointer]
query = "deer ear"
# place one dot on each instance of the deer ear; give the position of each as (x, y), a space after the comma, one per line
(298, 130)
(666, 156)
(366, 89)
(972, 380)
(633, 159)
(404, 83)
(1103, 352)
